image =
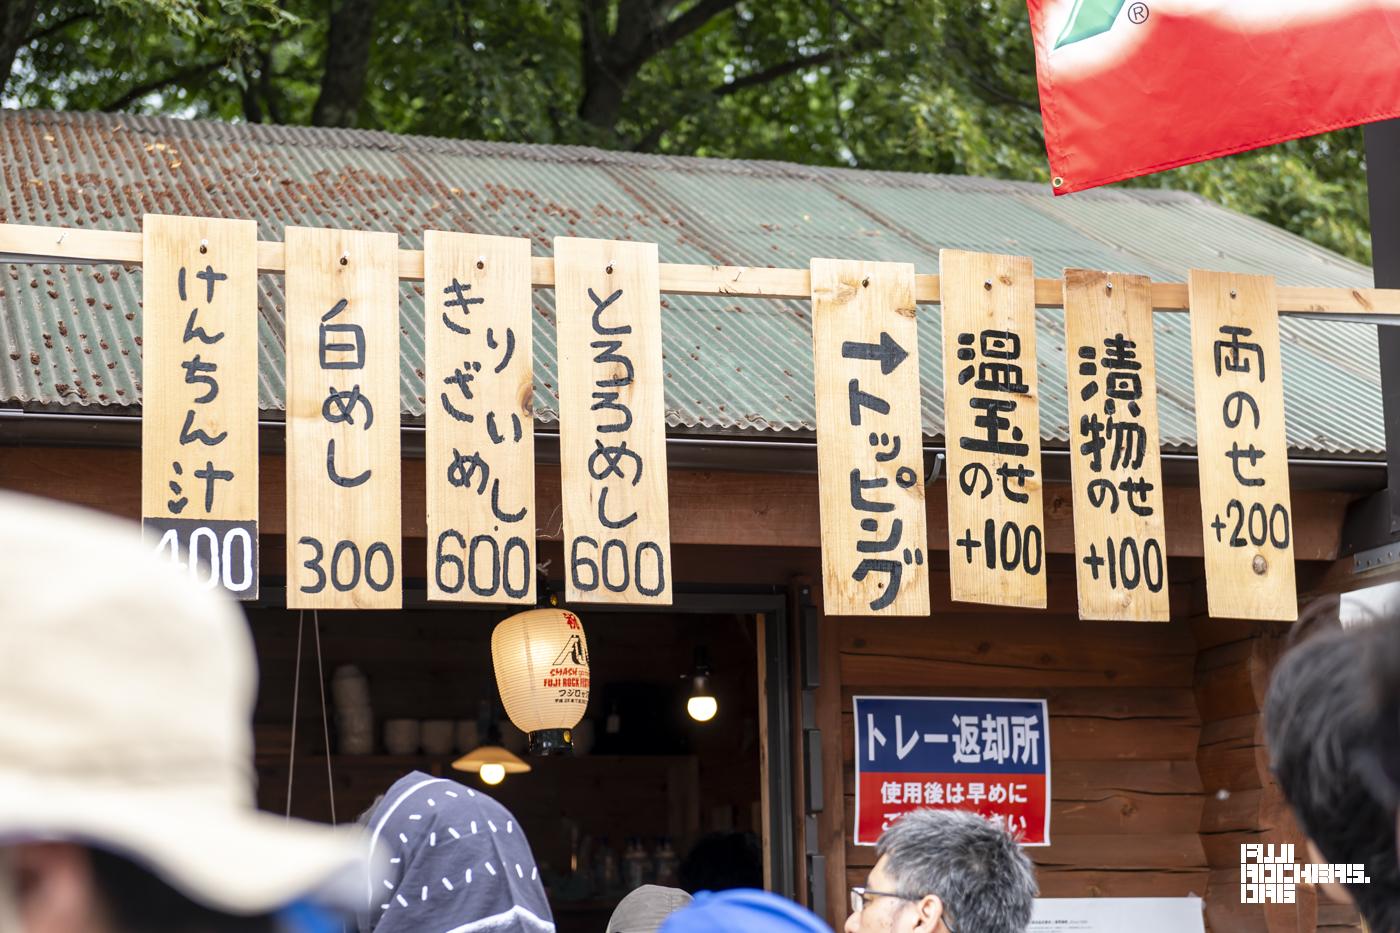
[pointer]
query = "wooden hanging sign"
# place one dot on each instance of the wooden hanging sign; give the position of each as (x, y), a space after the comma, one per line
(1242, 447)
(865, 346)
(343, 490)
(480, 421)
(996, 535)
(199, 382)
(612, 422)
(1119, 528)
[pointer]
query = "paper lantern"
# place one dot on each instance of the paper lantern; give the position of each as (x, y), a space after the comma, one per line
(541, 661)
(491, 763)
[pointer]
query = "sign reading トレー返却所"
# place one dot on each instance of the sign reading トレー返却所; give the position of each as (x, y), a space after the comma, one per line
(199, 424)
(869, 438)
(990, 756)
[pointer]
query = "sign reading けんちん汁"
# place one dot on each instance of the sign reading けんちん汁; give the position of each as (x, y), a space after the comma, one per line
(990, 756)
(199, 424)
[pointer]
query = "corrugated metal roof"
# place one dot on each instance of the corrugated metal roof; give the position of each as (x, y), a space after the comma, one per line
(70, 334)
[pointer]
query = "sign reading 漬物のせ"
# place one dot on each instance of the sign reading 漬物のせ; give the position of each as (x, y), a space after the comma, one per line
(869, 438)
(990, 756)
(991, 403)
(343, 494)
(1119, 528)
(480, 446)
(612, 425)
(199, 423)
(1242, 447)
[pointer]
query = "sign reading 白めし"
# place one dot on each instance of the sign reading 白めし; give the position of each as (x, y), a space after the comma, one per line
(990, 756)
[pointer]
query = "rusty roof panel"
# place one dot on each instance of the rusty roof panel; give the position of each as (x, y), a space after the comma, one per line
(71, 334)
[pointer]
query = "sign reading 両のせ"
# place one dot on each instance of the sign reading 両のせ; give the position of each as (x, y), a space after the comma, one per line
(199, 424)
(1242, 447)
(996, 538)
(480, 446)
(990, 756)
(870, 438)
(1119, 527)
(612, 427)
(343, 495)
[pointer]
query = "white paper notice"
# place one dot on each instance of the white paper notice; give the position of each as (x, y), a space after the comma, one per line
(1115, 914)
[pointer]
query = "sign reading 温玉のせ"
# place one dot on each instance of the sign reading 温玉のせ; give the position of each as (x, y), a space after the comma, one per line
(990, 756)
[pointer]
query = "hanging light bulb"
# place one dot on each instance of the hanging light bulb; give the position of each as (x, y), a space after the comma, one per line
(702, 705)
(491, 763)
(541, 662)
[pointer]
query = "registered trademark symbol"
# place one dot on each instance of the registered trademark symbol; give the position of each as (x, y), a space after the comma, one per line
(1138, 13)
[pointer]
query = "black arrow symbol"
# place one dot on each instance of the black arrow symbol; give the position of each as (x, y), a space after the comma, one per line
(889, 353)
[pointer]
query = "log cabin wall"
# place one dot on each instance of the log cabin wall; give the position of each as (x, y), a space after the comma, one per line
(1124, 729)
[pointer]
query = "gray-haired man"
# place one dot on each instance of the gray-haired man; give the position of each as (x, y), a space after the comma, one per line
(945, 871)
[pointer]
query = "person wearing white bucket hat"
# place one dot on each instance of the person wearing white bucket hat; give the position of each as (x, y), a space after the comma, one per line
(126, 783)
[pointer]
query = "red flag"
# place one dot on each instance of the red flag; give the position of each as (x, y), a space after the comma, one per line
(1129, 87)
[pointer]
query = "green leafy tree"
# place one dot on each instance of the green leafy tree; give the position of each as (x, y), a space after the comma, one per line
(916, 85)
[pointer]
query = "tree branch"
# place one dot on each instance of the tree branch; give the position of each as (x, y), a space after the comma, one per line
(692, 19)
(48, 29)
(150, 87)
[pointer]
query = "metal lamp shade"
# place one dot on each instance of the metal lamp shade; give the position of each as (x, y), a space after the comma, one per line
(541, 661)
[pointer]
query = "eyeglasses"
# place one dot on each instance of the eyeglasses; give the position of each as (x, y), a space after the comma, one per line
(860, 895)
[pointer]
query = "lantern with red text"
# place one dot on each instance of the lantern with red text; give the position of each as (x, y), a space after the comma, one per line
(541, 661)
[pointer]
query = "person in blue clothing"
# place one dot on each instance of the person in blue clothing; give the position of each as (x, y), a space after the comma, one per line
(445, 857)
(743, 910)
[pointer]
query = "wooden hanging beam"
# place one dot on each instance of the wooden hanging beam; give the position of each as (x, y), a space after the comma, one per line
(28, 243)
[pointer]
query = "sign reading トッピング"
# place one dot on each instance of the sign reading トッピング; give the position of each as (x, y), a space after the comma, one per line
(869, 438)
(343, 493)
(990, 756)
(612, 425)
(199, 424)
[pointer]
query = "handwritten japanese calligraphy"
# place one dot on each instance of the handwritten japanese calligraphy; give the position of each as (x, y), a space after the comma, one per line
(199, 426)
(343, 494)
(617, 529)
(480, 423)
(1119, 527)
(992, 423)
(870, 438)
(1242, 447)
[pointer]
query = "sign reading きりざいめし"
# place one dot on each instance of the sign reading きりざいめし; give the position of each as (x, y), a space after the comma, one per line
(989, 756)
(199, 420)
(480, 445)
(1129, 87)
(869, 439)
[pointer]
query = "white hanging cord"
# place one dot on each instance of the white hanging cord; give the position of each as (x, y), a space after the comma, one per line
(296, 694)
(325, 719)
